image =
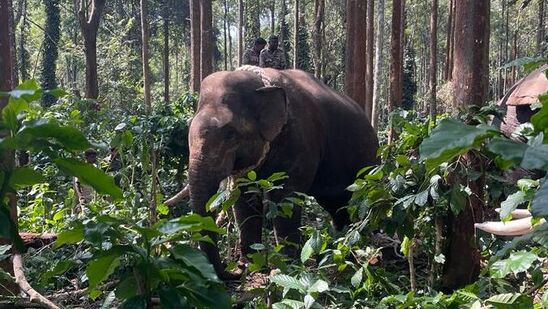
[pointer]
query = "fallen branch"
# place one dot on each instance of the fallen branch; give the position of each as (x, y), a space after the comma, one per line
(181, 195)
(21, 280)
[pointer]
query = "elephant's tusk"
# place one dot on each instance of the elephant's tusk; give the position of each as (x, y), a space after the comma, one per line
(513, 228)
(518, 213)
(181, 195)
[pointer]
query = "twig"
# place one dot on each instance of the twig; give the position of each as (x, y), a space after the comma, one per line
(21, 280)
(411, 261)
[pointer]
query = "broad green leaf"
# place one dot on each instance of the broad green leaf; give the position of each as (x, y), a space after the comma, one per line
(40, 130)
(517, 262)
(170, 298)
(90, 175)
(511, 203)
(288, 304)
(194, 259)
(319, 286)
(308, 301)
(102, 267)
(540, 118)
(451, 138)
(510, 301)
(189, 223)
(357, 277)
(136, 302)
(509, 150)
(288, 282)
(306, 251)
(24, 177)
(539, 206)
(536, 157)
(127, 288)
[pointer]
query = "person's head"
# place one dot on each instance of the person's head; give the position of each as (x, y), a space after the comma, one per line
(273, 42)
(90, 155)
(260, 43)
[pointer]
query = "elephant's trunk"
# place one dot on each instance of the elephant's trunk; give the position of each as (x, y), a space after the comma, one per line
(203, 183)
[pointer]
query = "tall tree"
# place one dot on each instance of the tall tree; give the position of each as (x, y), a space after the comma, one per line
(319, 12)
(379, 43)
(396, 51)
(6, 288)
(541, 30)
(355, 62)
(13, 44)
(165, 24)
(470, 81)
(89, 17)
(145, 55)
(195, 43)
(433, 58)
(24, 57)
(206, 38)
(449, 43)
(370, 54)
(296, 35)
(272, 16)
(225, 34)
(52, 34)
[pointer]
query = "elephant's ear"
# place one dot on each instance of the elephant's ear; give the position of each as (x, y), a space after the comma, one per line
(272, 111)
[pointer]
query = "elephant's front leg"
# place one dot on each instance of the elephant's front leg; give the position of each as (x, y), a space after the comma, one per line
(248, 211)
(286, 231)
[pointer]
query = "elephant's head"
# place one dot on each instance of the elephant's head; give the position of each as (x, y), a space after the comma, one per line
(237, 118)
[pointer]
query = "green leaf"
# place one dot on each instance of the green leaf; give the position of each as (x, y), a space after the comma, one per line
(189, 223)
(194, 259)
(40, 130)
(517, 262)
(24, 177)
(252, 175)
(510, 301)
(508, 150)
(127, 288)
(136, 302)
(357, 277)
(288, 304)
(536, 157)
(288, 282)
(90, 175)
(540, 118)
(511, 203)
(306, 252)
(319, 286)
(102, 267)
(170, 298)
(451, 138)
(539, 206)
(69, 237)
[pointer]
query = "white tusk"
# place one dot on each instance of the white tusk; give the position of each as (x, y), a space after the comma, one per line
(181, 195)
(511, 228)
(518, 213)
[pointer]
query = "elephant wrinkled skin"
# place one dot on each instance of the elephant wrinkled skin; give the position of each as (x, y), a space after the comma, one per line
(276, 121)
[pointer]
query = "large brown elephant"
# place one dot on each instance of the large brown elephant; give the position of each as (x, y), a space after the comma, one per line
(276, 121)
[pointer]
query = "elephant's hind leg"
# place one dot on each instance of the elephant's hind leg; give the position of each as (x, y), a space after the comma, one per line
(249, 217)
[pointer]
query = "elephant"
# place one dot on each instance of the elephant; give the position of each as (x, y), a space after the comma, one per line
(275, 121)
(517, 101)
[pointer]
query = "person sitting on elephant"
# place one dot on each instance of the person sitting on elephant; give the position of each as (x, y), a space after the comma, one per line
(251, 56)
(272, 57)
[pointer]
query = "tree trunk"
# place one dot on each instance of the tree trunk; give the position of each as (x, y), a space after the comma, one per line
(272, 16)
(166, 52)
(195, 40)
(206, 39)
(23, 54)
(6, 85)
(355, 62)
(396, 55)
(506, 42)
(470, 81)
(319, 9)
(230, 53)
(370, 54)
(13, 45)
(449, 43)
(225, 7)
(296, 36)
(145, 56)
(433, 58)
(282, 38)
(89, 24)
(240, 31)
(541, 31)
(52, 34)
(379, 42)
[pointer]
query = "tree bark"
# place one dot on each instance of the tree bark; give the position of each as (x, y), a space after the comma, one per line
(396, 57)
(6, 85)
(355, 62)
(470, 81)
(319, 9)
(433, 58)
(145, 56)
(272, 16)
(206, 39)
(166, 52)
(13, 44)
(52, 34)
(240, 31)
(23, 54)
(89, 24)
(195, 39)
(296, 36)
(225, 8)
(449, 43)
(379, 42)
(370, 54)
(541, 31)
